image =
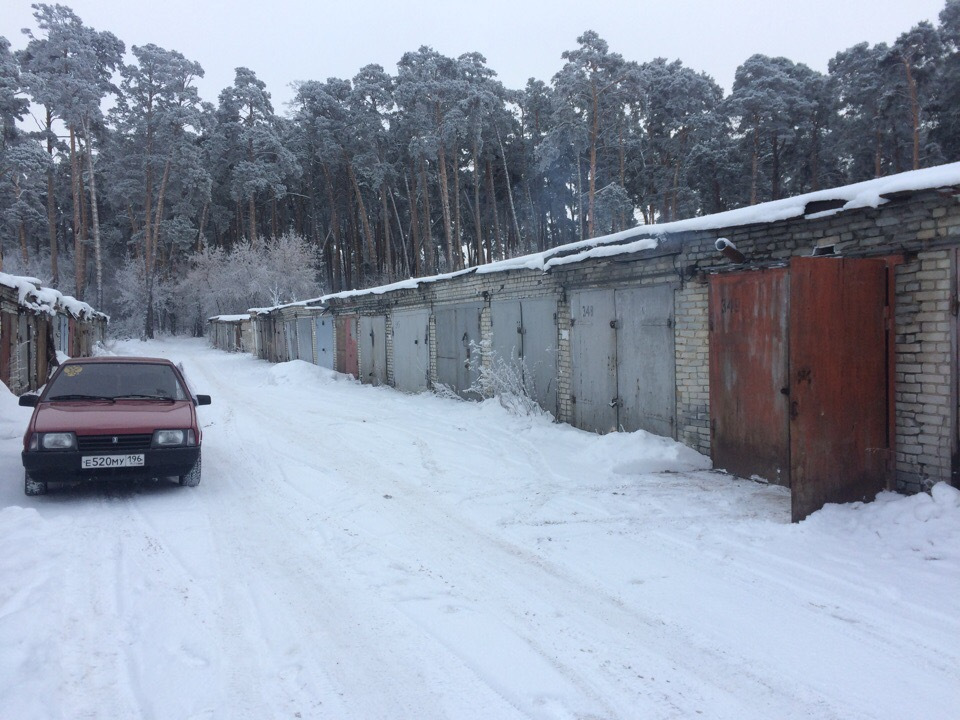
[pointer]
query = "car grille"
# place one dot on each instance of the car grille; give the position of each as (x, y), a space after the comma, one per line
(113, 443)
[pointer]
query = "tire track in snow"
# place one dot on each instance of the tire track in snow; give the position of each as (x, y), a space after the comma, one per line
(328, 618)
(559, 584)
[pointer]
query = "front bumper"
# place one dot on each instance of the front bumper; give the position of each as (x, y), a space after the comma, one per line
(56, 466)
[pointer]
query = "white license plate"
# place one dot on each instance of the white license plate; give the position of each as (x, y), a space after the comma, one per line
(94, 462)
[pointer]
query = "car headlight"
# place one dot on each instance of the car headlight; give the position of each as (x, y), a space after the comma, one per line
(54, 441)
(170, 438)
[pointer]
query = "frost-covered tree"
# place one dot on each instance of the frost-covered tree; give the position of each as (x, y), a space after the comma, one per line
(22, 162)
(593, 89)
(768, 100)
(258, 161)
(69, 71)
(678, 118)
(916, 54)
(229, 282)
(157, 121)
(946, 87)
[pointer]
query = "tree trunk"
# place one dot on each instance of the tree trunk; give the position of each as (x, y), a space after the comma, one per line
(429, 249)
(385, 215)
(775, 167)
(95, 214)
(158, 211)
(337, 280)
(878, 153)
(356, 254)
(580, 197)
(78, 268)
(445, 208)
(477, 223)
(815, 159)
(755, 162)
(457, 244)
(252, 211)
(22, 233)
(497, 246)
(506, 175)
(52, 206)
(274, 226)
(405, 268)
(203, 224)
(148, 244)
(414, 221)
(369, 252)
(914, 111)
(594, 133)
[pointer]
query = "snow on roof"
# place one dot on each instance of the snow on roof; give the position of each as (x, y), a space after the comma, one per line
(33, 296)
(229, 318)
(871, 193)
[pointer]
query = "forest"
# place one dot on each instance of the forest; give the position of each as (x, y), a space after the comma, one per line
(120, 185)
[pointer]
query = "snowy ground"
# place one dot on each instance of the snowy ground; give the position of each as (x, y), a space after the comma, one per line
(357, 553)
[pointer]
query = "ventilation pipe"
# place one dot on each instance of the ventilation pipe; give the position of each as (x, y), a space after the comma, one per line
(729, 251)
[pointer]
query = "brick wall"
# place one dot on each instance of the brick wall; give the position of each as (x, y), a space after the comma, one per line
(693, 366)
(925, 351)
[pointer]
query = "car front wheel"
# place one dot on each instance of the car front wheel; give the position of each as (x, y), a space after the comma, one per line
(192, 478)
(33, 487)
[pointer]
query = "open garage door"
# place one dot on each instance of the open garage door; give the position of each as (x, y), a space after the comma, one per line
(800, 378)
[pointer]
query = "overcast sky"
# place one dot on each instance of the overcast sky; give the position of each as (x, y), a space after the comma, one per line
(288, 40)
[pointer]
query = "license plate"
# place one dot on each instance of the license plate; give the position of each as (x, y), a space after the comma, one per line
(94, 462)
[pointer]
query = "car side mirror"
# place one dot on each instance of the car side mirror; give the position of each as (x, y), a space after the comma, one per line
(29, 400)
(203, 399)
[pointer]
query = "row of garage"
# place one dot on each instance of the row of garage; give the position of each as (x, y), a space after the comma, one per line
(37, 323)
(823, 358)
(616, 388)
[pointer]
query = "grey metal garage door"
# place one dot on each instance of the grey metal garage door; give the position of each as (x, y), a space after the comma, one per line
(593, 356)
(458, 340)
(373, 349)
(623, 361)
(646, 362)
(323, 329)
(305, 339)
(525, 334)
(411, 351)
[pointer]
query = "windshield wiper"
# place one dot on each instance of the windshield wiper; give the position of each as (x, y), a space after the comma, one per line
(138, 396)
(56, 398)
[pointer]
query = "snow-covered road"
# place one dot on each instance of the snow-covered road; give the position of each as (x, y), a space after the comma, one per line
(353, 552)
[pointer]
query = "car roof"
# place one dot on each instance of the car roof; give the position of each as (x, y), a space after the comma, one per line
(116, 359)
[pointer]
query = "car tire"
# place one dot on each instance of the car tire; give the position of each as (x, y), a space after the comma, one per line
(33, 487)
(192, 478)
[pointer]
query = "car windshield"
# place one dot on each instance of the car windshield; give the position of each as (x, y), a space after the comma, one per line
(109, 381)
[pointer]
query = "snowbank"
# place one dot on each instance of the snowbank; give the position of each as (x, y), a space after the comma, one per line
(924, 525)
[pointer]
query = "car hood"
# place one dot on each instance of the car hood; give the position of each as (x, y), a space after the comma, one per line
(123, 416)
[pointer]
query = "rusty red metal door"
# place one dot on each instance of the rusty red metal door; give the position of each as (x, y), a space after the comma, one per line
(347, 357)
(840, 444)
(749, 374)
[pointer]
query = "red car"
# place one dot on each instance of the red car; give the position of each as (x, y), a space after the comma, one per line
(112, 417)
